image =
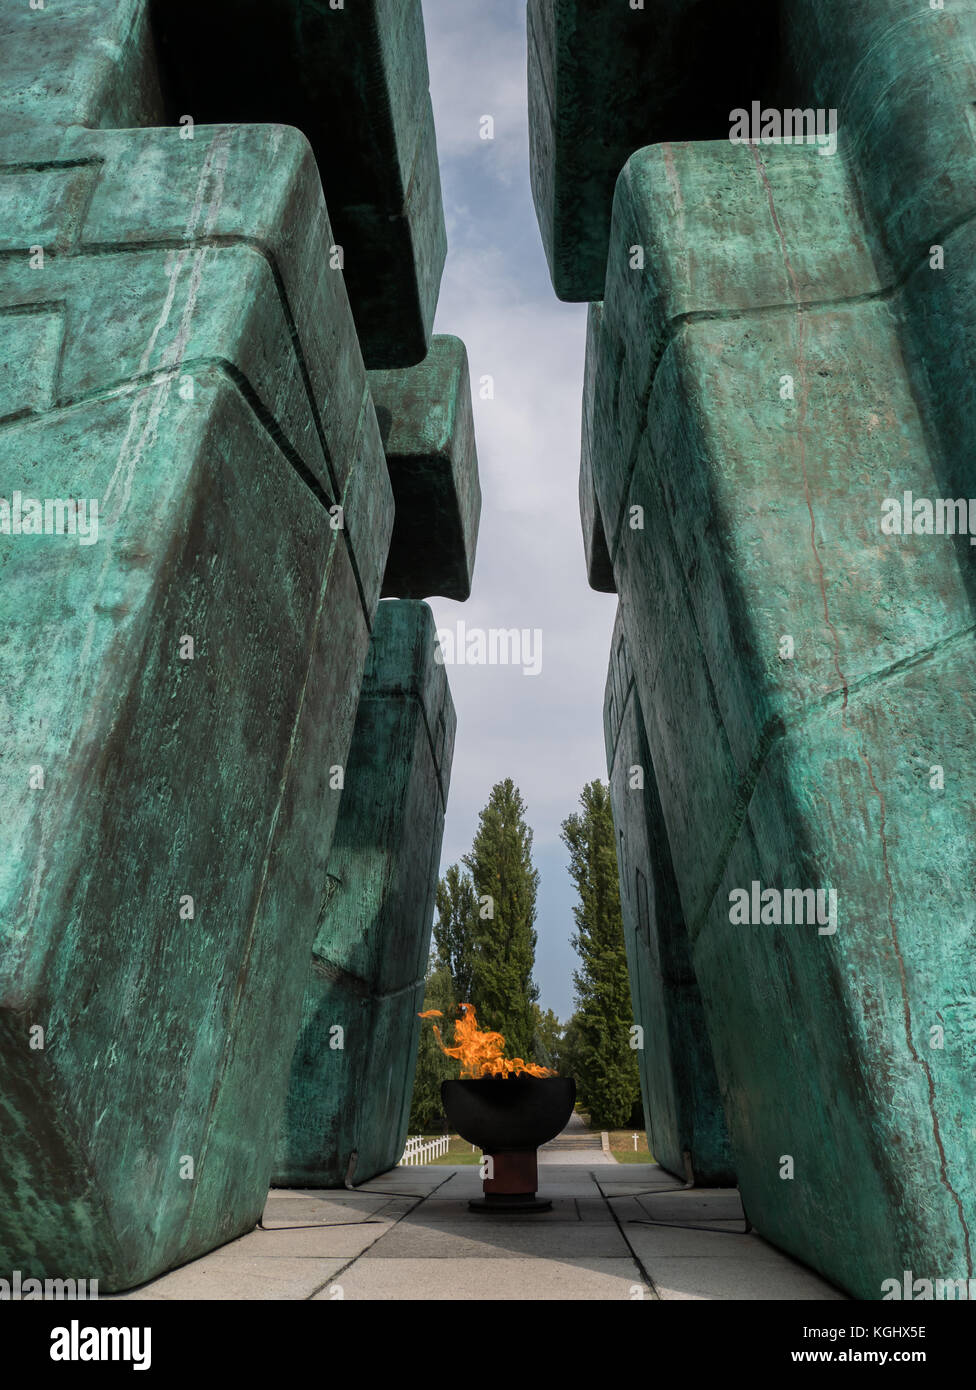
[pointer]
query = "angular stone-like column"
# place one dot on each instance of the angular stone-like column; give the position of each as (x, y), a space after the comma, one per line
(605, 78)
(425, 420)
(686, 1127)
(780, 351)
(352, 1072)
(599, 566)
(354, 80)
(179, 685)
(787, 658)
(173, 695)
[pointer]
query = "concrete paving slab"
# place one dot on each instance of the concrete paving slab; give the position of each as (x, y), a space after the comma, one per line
(321, 1211)
(680, 1205)
(558, 1183)
(569, 1175)
(636, 1189)
(704, 1278)
(518, 1279)
(593, 1209)
(465, 1175)
(420, 1179)
(702, 1209)
(429, 1245)
(636, 1176)
(653, 1241)
(242, 1278)
(454, 1212)
(495, 1239)
(319, 1241)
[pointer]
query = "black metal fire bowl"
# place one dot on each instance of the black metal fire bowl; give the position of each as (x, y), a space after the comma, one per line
(510, 1114)
(508, 1118)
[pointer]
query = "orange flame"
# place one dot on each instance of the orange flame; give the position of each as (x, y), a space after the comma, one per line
(480, 1054)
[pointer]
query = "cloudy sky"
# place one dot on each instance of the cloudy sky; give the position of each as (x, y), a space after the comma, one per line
(544, 731)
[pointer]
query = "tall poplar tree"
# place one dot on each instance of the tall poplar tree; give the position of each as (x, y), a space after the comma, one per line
(454, 930)
(606, 1067)
(505, 885)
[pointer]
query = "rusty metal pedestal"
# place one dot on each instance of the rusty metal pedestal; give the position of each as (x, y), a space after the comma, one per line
(512, 1186)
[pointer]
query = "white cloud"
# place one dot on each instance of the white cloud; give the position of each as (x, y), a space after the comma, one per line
(476, 55)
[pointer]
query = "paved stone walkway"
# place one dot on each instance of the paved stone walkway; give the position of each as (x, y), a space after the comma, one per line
(408, 1234)
(575, 1144)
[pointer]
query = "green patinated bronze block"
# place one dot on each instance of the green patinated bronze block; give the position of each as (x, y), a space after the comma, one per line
(354, 81)
(606, 78)
(427, 427)
(88, 64)
(758, 441)
(599, 568)
(785, 352)
(195, 515)
(686, 1129)
(353, 78)
(166, 807)
(352, 1072)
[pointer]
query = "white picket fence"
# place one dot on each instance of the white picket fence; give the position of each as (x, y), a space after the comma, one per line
(421, 1150)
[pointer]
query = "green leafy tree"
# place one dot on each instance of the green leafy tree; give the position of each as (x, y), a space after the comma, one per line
(567, 1057)
(454, 930)
(548, 1038)
(605, 1066)
(426, 1112)
(505, 885)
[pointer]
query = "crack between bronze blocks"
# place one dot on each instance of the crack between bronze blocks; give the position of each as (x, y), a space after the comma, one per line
(673, 325)
(776, 729)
